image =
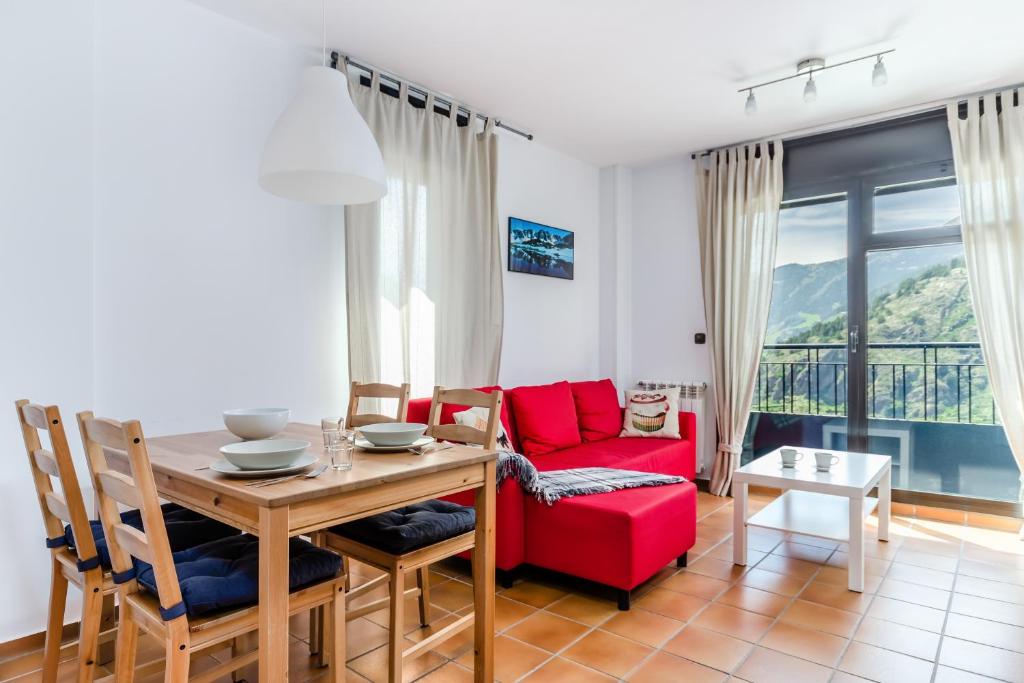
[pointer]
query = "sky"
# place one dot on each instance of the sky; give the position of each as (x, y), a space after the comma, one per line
(817, 232)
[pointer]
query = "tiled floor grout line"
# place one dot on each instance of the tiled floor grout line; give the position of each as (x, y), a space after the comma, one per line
(685, 623)
(949, 609)
(612, 616)
(863, 615)
(778, 617)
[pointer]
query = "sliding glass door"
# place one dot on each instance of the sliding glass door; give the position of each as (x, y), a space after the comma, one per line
(802, 382)
(872, 344)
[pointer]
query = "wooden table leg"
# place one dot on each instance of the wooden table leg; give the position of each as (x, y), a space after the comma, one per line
(273, 607)
(884, 504)
(483, 579)
(856, 555)
(739, 522)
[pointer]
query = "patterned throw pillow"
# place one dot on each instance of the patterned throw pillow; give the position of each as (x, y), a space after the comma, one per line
(652, 412)
(477, 418)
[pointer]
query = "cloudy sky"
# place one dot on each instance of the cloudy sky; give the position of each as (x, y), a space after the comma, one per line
(817, 232)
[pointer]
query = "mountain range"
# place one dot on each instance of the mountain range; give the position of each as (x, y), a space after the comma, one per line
(914, 295)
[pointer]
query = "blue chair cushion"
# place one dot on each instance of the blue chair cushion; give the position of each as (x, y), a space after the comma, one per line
(185, 528)
(224, 573)
(411, 527)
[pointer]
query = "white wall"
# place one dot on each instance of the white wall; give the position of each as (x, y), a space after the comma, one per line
(667, 304)
(210, 293)
(145, 274)
(46, 205)
(551, 325)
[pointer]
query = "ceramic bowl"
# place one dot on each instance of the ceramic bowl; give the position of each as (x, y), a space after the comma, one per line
(393, 433)
(256, 423)
(264, 454)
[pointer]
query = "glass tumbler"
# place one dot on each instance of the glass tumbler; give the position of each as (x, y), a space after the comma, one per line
(337, 443)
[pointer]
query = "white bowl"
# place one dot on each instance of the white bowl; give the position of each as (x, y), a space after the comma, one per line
(265, 454)
(256, 423)
(393, 433)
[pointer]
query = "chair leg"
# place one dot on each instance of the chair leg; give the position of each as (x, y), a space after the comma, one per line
(314, 627)
(423, 583)
(318, 635)
(177, 654)
(316, 614)
(239, 646)
(396, 622)
(348, 572)
(337, 643)
(54, 623)
(127, 644)
(105, 654)
(623, 600)
(89, 631)
(681, 560)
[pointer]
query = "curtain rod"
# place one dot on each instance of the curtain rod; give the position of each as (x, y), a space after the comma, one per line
(423, 92)
(881, 117)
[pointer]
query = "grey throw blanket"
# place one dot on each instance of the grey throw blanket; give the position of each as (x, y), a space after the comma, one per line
(550, 487)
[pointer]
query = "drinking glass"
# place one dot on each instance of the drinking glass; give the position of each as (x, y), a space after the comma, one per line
(339, 448)
(337, 442)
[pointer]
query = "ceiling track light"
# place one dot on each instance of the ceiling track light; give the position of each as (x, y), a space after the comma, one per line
(878, 75)
(808, 67)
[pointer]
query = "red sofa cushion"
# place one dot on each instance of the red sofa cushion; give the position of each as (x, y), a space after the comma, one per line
(545, 418)
(620, 539)
(597, 409)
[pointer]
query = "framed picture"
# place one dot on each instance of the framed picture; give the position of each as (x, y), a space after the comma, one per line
(539, 249)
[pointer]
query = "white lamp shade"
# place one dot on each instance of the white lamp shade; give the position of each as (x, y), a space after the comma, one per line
(321, 151)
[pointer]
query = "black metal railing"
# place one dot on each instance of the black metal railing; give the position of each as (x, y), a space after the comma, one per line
(917, 381)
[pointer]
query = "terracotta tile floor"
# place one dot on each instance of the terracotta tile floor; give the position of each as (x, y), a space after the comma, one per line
(944, 602)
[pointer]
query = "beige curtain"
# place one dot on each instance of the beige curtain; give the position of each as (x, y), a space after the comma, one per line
(988, 148)
(424, 264)
(738, 195)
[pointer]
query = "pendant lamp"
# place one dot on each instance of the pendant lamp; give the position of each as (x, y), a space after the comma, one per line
(320, 150)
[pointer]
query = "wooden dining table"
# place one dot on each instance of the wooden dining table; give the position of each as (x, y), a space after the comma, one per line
(377, 482)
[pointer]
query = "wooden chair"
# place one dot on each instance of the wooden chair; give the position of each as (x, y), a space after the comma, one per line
(80, 566)
(356, 419)
(165, 614)
(419, 558)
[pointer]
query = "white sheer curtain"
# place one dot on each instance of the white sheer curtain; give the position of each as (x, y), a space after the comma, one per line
(988, 148)
(739, 191)
(424, 263)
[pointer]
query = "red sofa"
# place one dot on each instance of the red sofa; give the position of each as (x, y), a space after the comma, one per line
(619, 538)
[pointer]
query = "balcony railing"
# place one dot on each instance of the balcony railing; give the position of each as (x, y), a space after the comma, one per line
(917, 381)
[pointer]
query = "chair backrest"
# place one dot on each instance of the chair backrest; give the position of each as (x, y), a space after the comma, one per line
(137, 489)
(66, 506)
(486, 437)
(356, 419)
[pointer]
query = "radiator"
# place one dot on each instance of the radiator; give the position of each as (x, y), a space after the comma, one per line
(693, 399)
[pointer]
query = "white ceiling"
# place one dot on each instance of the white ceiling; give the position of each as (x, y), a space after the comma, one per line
(616, 81)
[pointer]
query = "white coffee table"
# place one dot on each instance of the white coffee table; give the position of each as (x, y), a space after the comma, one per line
(812, 502)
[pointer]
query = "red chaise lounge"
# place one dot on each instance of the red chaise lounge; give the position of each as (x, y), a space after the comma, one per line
(619, 539)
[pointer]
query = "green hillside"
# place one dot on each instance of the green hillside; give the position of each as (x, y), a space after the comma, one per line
(932, 306)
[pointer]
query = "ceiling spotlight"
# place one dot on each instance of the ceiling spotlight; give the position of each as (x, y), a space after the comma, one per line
(812, 65)
(810, 90)
(878, 75)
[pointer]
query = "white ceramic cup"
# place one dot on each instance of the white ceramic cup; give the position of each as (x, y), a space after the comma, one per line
(790, 457)
(824, 460)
